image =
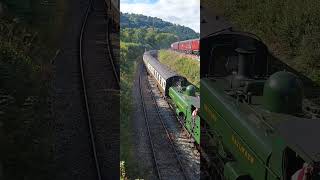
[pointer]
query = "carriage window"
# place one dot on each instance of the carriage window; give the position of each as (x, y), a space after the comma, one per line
(291, 163)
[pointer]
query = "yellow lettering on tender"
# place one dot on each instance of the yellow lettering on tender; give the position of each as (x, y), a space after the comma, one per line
(242, 149)
(210, 113)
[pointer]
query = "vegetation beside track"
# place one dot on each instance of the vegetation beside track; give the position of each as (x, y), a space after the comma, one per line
(187, 67)
(27, 45)
(139, 33)
(130, 53)
(290, 28)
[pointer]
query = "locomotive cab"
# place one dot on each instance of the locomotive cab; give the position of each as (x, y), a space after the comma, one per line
(255, 110)
(294, 165)
(291, 162)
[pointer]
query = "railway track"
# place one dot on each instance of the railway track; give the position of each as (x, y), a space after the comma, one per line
(86, 95)
(166, 158)
(95, 51)
(184, 144)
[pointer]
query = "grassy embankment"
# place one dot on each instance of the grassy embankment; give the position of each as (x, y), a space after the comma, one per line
(184, 66)
(129, 55)
(290, 28)
(27, 45)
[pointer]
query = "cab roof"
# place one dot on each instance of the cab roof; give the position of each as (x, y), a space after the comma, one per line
(302, 135)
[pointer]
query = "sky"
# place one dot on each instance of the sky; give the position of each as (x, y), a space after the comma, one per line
(182, 12)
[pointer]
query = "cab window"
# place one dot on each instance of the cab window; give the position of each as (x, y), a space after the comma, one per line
(291, 163)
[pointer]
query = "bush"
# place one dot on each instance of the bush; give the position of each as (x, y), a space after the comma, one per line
(25, 146)
(130, 54)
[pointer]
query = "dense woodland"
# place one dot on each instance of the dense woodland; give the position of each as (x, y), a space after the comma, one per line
(152, 33)
(290, 28)
(149, 38)
(145, 22)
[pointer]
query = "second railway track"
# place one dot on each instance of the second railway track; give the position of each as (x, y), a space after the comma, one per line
(166, 158)
(100, 86)
(86, 95)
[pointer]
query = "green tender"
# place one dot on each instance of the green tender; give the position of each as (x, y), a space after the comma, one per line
(248, 132)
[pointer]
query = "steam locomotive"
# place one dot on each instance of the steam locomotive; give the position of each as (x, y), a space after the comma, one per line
(181, 94)
(262, 116)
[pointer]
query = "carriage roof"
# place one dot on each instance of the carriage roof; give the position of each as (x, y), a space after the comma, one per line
(163, 70)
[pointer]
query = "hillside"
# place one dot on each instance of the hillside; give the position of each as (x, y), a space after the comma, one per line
(145, 22)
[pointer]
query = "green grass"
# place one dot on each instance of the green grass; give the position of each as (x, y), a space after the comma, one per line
(187, 67)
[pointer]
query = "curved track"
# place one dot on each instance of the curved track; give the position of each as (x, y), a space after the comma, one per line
(88, 73)
(86, 95)
(166, 158)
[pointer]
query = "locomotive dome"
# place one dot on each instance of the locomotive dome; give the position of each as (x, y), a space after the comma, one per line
(283, 93)
(191, 90)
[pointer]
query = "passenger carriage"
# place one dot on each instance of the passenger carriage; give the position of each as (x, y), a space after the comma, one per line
(164, 77)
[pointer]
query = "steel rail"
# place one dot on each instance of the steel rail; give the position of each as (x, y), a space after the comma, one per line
(109, 45)
(167, 133)
(84, 87)
(164, 127)
(148, 128)
(111, 58)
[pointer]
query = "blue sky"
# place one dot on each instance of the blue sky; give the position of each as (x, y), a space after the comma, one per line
(180, 12)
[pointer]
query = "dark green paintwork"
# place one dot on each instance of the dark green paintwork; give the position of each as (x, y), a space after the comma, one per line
(183, 103)
(283, 93)
(252, 140)
(191, 90)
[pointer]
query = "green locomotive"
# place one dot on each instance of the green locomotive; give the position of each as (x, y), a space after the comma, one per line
(261, 114)
(182, 93)
(186, 101)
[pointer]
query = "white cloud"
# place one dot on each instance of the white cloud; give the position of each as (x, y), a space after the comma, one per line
(180, 12)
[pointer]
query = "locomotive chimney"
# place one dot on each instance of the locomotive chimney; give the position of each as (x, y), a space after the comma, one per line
(245, 59)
